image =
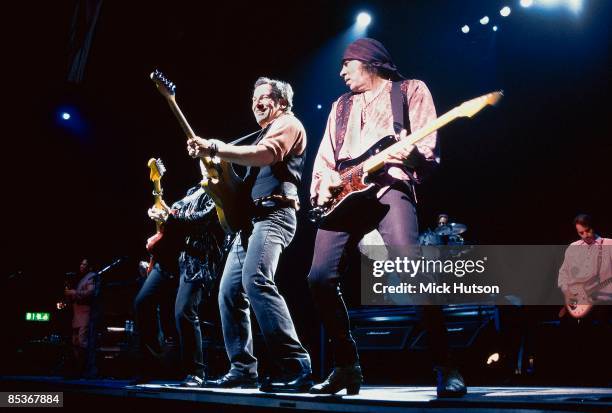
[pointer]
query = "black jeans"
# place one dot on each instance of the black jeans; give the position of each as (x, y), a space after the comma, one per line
(158, 287)
(394, 216)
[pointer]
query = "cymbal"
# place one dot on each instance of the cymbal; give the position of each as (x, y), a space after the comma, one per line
(454, 228)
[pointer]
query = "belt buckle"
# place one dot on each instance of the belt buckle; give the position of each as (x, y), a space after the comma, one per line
(267, 203)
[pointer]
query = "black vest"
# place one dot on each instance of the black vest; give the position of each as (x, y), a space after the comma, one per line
(281, 178)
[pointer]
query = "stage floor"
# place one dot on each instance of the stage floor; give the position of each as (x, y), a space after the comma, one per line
(370, 399)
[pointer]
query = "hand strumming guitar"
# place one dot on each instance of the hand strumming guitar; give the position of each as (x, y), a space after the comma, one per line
(330, 184)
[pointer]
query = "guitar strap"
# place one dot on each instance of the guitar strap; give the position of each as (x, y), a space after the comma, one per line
(599, 254)
(253, 171)
(399, 101)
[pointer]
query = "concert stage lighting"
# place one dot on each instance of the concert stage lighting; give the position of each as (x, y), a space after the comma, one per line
(494, 28)
(465, 29)
(319, 106)
(363, 20)
(575, 5)
(505, 12)
(484, 20)
(493, 358)
(65, 115)
(526, 3)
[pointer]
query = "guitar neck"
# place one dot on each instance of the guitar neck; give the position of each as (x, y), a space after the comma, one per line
(378, 161)
(158, 200)
(599, 286)
(180, 117)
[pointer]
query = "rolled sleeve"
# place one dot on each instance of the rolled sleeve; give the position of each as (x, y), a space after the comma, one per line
(421, 111)
(286, 136)
(324, 162)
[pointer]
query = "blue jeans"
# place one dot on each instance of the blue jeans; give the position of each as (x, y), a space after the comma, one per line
(248, 279)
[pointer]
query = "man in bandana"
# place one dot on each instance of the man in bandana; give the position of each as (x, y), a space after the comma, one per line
(357, 120)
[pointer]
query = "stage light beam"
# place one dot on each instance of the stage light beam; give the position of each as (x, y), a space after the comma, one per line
(526, 3)
(484, 20)
(363, 20)
(505, 12)
(465, 29)
(575, 5)
(66, 116)
(494, 28)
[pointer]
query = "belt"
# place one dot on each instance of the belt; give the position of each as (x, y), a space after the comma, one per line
(276, 201)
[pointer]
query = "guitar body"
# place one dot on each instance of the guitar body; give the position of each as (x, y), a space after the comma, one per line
(227, 189)
(355, 184)
(578, 298)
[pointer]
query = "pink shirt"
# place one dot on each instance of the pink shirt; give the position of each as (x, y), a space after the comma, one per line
(368, 123)
(285, 137)
(81, 306)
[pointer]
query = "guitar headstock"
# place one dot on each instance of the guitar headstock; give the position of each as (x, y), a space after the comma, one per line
(473, 106)
(165, 86)
(157, 169)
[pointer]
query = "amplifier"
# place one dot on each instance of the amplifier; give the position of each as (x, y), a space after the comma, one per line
(382, 338)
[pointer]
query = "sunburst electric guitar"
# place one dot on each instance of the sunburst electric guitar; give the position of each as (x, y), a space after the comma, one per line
(356, 173)
(156, 171)
(220, 180)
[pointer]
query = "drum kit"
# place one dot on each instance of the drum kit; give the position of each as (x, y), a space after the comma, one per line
(445, 234)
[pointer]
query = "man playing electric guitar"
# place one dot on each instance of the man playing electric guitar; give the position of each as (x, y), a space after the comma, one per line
(276, 161)
(192, 251)
(381, 102)
(586, 274)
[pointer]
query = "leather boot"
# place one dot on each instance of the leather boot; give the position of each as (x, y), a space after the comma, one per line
(349, 378)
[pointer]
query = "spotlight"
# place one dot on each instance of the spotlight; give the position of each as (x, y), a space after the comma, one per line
(575, 5)
(319, 106)
(484, 20)
(465, 29)
(494, 28)
(493, 358)
(363, 20)
(505, 12)
(526, 3)
(65, 115)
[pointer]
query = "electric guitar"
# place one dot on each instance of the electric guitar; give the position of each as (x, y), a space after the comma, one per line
(356, 173)
(220, 180)
(157, 171)
(578, 297)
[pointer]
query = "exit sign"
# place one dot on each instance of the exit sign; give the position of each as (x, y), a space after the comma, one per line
(38, 317)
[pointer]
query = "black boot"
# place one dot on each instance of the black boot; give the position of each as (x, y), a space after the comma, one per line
(349, 378)
(449, 382)
(193, 381)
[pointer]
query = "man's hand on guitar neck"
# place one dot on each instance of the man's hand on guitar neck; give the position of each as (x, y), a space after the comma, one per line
(399, 157)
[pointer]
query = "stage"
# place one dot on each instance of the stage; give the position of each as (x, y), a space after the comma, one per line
(114, 393)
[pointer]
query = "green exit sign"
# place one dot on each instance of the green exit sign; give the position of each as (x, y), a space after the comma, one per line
(38, 316)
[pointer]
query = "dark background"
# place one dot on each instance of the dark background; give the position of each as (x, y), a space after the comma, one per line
(515, 174)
